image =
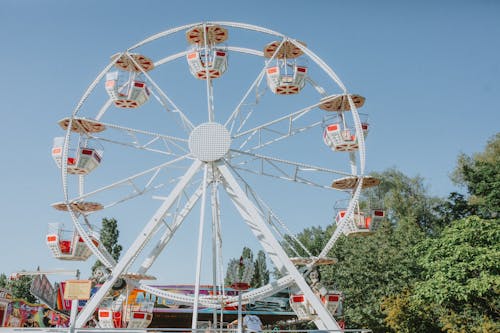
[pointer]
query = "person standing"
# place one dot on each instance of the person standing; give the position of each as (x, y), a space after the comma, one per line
(252, 323)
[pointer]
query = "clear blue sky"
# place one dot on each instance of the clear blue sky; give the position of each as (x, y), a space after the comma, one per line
(429, 70)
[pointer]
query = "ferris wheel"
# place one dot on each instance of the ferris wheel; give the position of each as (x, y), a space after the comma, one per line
(195, 113)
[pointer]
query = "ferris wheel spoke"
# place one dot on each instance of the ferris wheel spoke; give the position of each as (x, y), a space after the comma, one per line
(164, 100)
(208, 80)
(177, 220)
(144, 164)
(104, 108)
(263, 234)
(142, 239)
(131, 137)
(277, 129)
(245, 114)
(132, 183)
(238, 112)
(282, 169)
(281, 230)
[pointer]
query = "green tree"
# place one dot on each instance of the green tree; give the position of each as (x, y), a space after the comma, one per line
(261, 273)
(406, 199)
(455, 208)
(372, 269)
(20, 288)
(3, 281)
(403, 316)
(480, 174)
(457, 290)
(247, 253)
(461, 275)
(109, 238)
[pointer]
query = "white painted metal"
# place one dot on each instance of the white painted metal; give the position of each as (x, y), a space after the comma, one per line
(298, 172)
(221, 166)
(209, 142)
(217, 262)
(138, 244)
(259, 228)
(199, 252)
(170, 231)
(135, 189)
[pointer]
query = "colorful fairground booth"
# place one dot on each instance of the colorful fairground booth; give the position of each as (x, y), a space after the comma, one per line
(19, 313)
(5, 299)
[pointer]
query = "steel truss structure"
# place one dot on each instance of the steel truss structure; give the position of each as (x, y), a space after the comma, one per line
(194, 159)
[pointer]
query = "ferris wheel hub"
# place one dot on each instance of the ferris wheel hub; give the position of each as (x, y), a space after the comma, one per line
(209, 142)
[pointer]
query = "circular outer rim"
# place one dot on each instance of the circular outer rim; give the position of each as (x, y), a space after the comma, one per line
(303, 48)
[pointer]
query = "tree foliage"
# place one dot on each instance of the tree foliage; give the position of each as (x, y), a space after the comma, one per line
(3, 281)
(403, 316)
(480, 174)
(260, 273)
(460, 274)
(406, 199)
(432, 266)
(458, 289)
(109, 238)
(19, 287)
(371, 269)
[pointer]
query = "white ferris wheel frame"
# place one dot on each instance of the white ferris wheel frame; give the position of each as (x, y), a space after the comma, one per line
(251, 212)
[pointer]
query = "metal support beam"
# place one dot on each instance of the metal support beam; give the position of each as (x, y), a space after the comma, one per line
(253, 218)
(169, 233)
(137, 246)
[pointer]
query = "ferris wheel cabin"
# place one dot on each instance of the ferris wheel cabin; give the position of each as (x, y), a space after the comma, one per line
(205, 60)
(282, 82)
(362, 223)
(128, 95)
(123, 86)
(280, 79)
(80, 161)
(214, 63)
(67, 245)
(340, 138)
(134, 316)
(304, 311)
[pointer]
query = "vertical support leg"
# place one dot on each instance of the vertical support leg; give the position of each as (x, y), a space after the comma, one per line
(259, 228)
(169, 233)
(194, 322)
(137, 246)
